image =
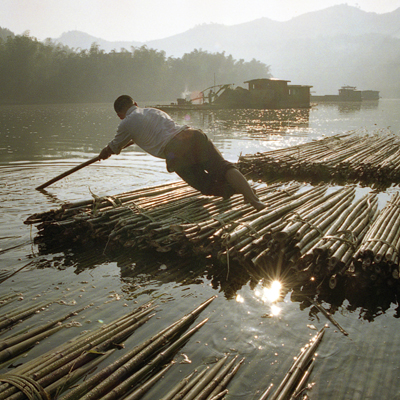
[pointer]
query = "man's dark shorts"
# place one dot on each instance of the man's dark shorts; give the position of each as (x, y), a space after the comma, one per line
(193, 156)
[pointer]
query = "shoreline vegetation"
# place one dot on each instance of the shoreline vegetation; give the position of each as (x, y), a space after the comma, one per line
(32, 72)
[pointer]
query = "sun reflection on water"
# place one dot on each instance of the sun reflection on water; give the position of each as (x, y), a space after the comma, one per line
(239, 298)
(270, 295)
(275, 310)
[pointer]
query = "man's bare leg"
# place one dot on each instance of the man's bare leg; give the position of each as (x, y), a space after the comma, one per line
(240, 184)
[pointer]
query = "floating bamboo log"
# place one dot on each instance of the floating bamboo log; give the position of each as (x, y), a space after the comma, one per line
(137, 364)
(9, 319)
(295, 378)
(139, 392)
(205, 385)
(60, 367)
(105, 381)
(180, 394)
(180, 386)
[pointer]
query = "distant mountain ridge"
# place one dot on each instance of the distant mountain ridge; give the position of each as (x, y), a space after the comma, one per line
(81, 40)
(326, 49)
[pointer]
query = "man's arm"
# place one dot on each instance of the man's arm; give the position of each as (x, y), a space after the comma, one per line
(107, 152)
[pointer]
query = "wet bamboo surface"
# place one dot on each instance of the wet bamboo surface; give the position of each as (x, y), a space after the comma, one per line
(97, 364)
(80, 368)
(316, 238)
(325, 232)
(356, 157)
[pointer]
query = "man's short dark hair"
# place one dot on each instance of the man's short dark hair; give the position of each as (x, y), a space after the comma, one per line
(123, 103)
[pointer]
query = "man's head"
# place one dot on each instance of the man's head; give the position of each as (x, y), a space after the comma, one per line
(123, 104)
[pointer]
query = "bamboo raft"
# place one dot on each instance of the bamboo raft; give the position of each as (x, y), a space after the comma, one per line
(324, 232)
(80, 368)
(355, 157)
(336, 235)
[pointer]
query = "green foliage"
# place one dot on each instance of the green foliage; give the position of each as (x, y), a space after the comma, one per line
(36, 72)
(5, 33)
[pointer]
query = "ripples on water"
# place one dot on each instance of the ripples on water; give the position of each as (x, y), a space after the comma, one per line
(40, 142)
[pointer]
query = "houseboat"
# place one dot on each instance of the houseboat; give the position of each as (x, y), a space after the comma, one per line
(265, 93)
(348, 93)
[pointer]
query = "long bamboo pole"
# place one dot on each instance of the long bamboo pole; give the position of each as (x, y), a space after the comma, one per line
(69, 172)
(72, 170)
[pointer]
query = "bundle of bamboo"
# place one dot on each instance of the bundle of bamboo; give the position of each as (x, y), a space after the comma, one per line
(129, 377)
(207, 384)
(294, 382)
(331, 254)
(58, 368)
(353, 157)
(377, 257)
(141, 218)
(308, 230)
(59, 372)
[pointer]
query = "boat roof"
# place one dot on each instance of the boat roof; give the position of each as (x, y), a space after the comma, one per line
(266, 79)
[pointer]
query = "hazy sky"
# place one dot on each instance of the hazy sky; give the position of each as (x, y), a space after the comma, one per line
(154, 19)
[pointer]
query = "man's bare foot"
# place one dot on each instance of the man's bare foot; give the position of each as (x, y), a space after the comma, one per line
(258, 205)
(255, 202)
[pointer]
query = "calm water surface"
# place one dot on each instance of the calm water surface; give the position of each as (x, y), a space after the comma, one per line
(40, 142)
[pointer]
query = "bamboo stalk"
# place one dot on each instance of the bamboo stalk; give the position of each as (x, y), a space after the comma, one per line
(139, 392)
(11, 318)
(129, 380)
(329, 316)
(266, 393)
(220, 395)
(182, 393)
(132, 359)
(225, 377)
(16, 338)
(18, 348)
(198, 389)
(177, 388)
(59, 386)
(295, 372)
(300, 387)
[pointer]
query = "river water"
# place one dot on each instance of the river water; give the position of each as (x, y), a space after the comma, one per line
(40, 142)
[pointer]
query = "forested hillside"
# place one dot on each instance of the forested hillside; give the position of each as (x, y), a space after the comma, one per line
(36, 72)
(336, 46)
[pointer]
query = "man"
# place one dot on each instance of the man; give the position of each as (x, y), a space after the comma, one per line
(187, 151)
